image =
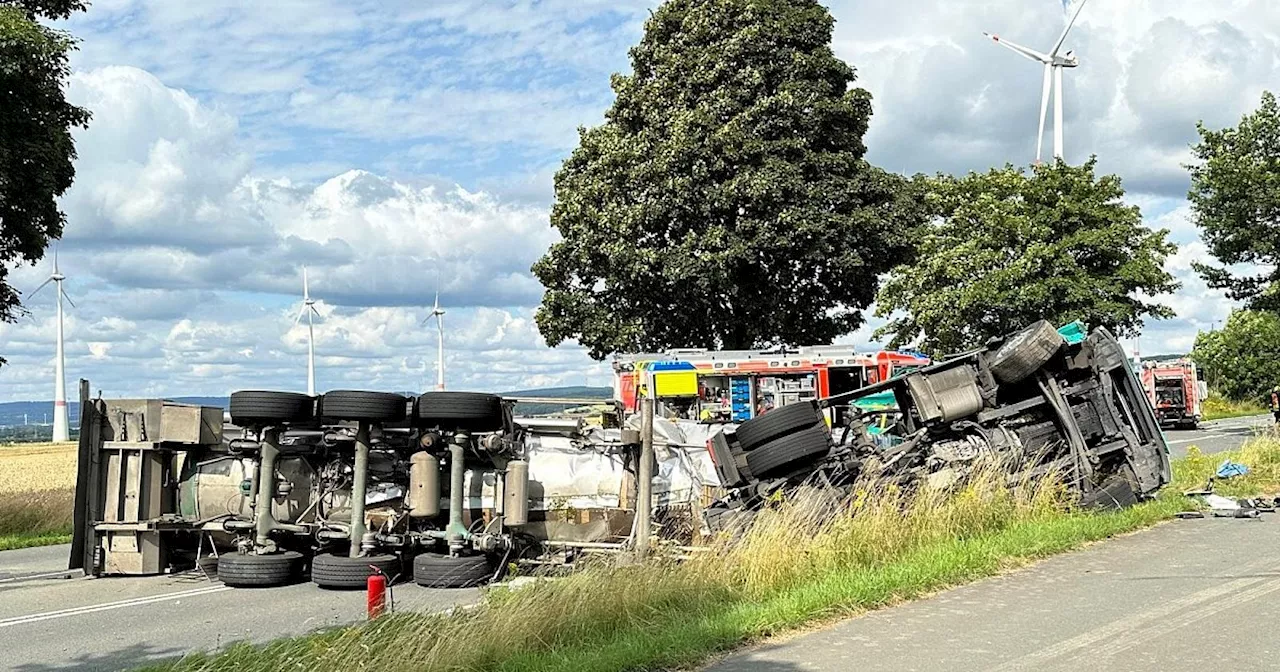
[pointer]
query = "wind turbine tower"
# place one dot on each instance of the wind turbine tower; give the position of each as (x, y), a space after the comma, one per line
(61, 422)
(309, 309)
(1053, 64)
(438, 313)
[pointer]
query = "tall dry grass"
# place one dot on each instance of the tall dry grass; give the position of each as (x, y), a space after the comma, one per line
(806, 538)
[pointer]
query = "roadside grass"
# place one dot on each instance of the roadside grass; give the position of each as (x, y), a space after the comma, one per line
(804, 561)
(37, 494)
(1219, 408)
(1260, 454)
(35, 518)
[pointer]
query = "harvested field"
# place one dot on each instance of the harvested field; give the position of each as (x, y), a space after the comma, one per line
(37, 491)
(28, 467)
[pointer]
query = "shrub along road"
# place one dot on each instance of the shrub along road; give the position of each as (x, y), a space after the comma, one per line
(49, 621)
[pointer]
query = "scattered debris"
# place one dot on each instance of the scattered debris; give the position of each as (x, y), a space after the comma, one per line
(1186, 515)
(1229, 469)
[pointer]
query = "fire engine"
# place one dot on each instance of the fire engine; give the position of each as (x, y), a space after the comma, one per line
(1175, 391)
(734, 386)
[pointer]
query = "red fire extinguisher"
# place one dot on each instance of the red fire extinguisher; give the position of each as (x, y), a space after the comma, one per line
(377, 593)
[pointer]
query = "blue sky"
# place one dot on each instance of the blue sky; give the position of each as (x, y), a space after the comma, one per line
(388, 144)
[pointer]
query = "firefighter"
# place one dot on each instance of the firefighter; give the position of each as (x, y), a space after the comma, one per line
(1275, 403)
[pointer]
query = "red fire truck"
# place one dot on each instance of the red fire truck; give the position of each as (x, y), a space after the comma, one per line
(736, 385)
(1176, 392)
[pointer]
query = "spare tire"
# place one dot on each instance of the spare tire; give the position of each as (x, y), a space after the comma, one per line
(776, 423)
(340, 571)
(1023, 353)
(470, 411)
(435, 570)
(788, 452)
(258, 407)
(246, 570)
(363, 406)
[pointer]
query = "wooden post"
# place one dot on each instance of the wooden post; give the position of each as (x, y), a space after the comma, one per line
(644, 480)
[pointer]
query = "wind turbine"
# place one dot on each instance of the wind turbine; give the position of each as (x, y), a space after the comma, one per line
(309, 309)
(438, 313)
(1053, 65)
(61, 423)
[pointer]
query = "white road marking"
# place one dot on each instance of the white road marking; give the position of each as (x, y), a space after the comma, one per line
(91, 609)
(1198, 438)
(46, 575)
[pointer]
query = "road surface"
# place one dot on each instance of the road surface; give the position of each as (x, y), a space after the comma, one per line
(1185, 596)
(52, 619)
(1218, 435)
(48, 622)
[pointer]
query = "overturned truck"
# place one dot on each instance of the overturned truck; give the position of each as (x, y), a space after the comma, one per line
(1033, 401)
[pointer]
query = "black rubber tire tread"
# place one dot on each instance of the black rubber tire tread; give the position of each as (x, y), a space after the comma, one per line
(245, 570)
(472, 411)
(789, 451)
(1117, 491)
(435, 570)
(1023, 353)
(257, 407)
(776, 423)
(361, 405)
(339, 571)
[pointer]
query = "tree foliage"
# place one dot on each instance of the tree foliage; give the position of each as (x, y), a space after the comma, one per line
(1242, 360)
(1235, 198)
(725, 202)
(1006, 248)
(36, 147)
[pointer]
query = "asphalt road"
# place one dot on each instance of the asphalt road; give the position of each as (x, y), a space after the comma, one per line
(1217, 436)
(48, 622)
(52, 619)
(1186, 596)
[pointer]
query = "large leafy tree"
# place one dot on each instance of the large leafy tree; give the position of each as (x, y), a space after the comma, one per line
(1242, 360)
(1006, 248)
(1235, 197)
(725, 202)
(36, 147)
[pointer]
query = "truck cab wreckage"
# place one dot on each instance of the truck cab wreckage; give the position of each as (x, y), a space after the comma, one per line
(451, 488)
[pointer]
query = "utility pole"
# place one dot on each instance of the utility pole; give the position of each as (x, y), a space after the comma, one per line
(644, 478)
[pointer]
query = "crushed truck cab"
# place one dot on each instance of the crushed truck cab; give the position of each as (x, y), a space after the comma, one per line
(1032, 401)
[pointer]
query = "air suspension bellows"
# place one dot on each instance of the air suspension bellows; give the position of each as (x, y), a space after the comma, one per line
(424, 485)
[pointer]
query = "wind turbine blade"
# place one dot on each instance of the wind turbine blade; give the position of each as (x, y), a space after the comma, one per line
(1029, 53)
(1044, 109)
(1063, 38)
(313, 310)
(301, 311)
(68, 298)
(306, 291)
(37, 289)
(55, 258)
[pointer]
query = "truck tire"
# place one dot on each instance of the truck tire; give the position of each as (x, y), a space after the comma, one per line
(471, 411)
(246, 570)
(363, 406)
(339, 571)
(435, 570)
(777, 423)
(258, 407)
(1116, 491)
(1023, 353)
(789, 451)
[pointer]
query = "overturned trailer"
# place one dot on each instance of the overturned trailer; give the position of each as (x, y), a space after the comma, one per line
(1032, 401)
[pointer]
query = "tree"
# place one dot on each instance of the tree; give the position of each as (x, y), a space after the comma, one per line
(725, 202)
(1235, 198)
(1006, 249)
(36, 148)
(1242, 361)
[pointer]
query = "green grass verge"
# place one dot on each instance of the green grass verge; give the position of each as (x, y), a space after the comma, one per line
(1219, 408)
(684, 640)
(10, 542)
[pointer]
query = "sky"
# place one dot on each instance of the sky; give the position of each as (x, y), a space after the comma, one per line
(398, 147)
